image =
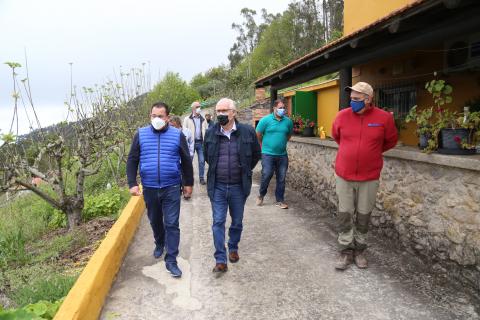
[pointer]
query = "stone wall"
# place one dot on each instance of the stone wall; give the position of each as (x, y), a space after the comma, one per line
(433, 210)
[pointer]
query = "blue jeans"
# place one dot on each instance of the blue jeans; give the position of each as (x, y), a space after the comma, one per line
(163, 209)
(227, 197)
(201, 159)
(279, 166)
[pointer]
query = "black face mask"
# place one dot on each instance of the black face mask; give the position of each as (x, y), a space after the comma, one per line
(222, 119)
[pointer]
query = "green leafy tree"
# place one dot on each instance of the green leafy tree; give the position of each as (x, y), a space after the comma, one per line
(174, 91)
(263, 47)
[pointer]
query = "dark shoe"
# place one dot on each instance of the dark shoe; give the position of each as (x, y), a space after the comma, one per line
(360, 259)
(233, 256)
(202, 181)
(344, 259)
(259, 201)
(220, 267)
(157, 253)
(282, 205)
(174, 270)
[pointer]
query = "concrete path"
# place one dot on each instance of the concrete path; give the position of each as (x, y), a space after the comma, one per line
(285, 272)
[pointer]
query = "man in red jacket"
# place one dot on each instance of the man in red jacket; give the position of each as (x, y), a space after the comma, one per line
(363, 132)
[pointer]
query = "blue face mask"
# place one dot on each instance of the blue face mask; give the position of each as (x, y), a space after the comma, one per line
(357, 105)
(280, 112)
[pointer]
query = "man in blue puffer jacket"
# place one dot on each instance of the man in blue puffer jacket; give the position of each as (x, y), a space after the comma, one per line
(161, 152)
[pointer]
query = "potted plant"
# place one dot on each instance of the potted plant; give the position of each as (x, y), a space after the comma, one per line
(423, 120)
(297, 124)
(440, 129)
(308, 129)
(469, 123)
(454, 131)
(436, 125)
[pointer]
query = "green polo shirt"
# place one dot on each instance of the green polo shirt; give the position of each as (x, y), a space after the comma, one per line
(275, 134)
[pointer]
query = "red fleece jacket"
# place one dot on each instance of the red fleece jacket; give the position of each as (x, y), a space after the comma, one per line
(362, 138)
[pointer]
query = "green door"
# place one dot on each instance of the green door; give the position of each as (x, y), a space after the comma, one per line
(305, 105)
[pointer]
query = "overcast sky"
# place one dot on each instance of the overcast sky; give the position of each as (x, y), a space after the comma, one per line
(99, 36)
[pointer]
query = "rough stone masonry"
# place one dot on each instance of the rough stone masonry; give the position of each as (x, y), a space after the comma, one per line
(431, 210)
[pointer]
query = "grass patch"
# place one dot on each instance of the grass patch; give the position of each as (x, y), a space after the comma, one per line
(39, 260)
(48, 250)
(28, 213)
(49, 287)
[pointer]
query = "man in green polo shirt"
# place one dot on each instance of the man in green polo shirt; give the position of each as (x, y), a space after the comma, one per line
(273, 132)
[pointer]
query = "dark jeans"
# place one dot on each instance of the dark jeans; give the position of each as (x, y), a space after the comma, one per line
(163, 209)
(271, 165)
(201, 159)
(227, 197)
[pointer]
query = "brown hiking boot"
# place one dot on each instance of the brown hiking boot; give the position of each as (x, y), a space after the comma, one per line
(233, 256)
(360, 259)
(344, 259)
(220, 267)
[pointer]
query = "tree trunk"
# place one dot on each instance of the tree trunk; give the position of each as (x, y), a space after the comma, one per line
(74, 217)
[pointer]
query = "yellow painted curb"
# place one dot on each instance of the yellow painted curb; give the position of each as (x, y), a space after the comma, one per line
(85, 299)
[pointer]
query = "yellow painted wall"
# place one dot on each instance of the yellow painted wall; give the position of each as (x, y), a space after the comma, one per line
(417, 67)
(327, 107)
(359, 13)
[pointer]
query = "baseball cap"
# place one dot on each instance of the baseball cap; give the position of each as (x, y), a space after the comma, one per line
(362, 87)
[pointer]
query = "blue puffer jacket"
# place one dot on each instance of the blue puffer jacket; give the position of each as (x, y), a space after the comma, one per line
(159, 157)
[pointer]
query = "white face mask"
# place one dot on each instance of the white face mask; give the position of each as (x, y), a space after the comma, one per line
(197, 111)
(158, 123)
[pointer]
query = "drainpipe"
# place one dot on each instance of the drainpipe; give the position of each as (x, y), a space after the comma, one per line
(345, 81)
(273, 97)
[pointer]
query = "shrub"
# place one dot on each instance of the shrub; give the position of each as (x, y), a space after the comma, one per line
(40, 310)
(107, 203)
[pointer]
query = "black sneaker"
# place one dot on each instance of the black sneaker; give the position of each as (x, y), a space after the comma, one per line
(202, 181)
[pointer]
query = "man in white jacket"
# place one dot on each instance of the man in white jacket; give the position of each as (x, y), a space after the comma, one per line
(197, 125)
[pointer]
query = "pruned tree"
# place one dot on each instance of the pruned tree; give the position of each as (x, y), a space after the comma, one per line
(63, 156)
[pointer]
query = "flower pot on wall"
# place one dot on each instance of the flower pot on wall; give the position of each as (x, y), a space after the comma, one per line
(308, 132)
(423, 140)
(450, 141)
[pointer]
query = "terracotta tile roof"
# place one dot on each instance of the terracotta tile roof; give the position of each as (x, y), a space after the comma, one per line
(346, 38)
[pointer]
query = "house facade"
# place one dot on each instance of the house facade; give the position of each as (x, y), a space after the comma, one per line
(397, 69)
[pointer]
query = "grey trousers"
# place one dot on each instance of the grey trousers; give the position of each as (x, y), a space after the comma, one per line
(356, 200)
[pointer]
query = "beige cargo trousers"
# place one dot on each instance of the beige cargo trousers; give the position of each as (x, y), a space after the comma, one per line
(356, 200)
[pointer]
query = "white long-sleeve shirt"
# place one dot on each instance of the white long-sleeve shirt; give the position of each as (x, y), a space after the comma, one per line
(190, 140)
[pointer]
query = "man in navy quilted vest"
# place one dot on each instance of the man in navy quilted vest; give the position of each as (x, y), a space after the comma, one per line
(231, 151)
(161, 152)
